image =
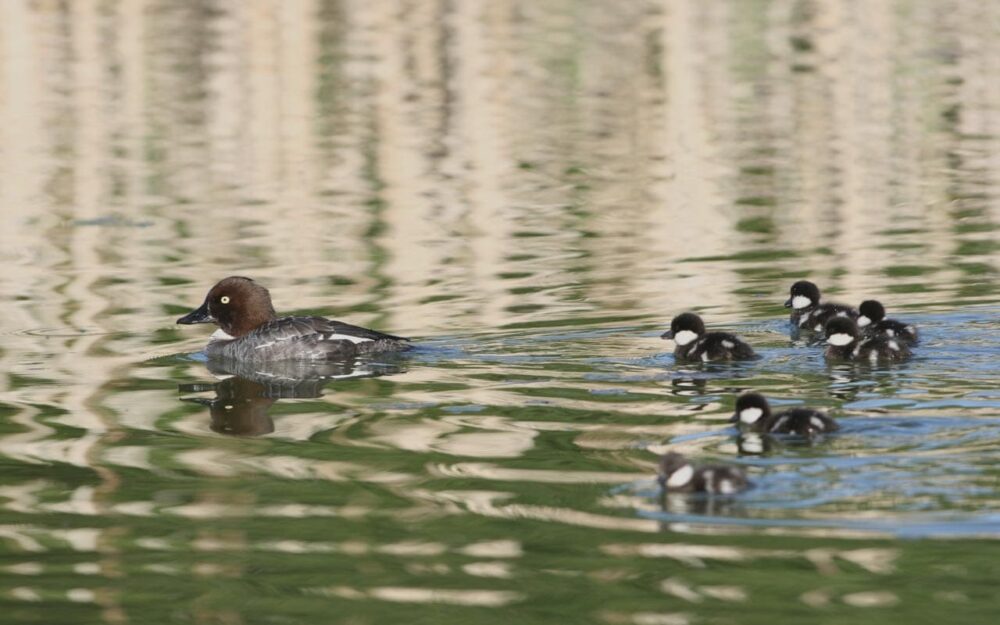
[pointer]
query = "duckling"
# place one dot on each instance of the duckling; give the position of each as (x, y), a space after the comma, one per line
(844, 342)
(676, 475)
(872, 323)
(807, 311)
(754, 413)
(694, 343)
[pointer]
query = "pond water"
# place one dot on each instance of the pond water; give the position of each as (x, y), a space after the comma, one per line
(531, 190)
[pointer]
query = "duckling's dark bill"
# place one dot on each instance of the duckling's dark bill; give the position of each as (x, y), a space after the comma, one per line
(197, 316)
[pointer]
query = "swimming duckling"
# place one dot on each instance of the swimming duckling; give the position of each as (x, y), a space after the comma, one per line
(872, 323)
(694, 343)
(676, 475)
(754, 413)
(845, 343)
(807, 311)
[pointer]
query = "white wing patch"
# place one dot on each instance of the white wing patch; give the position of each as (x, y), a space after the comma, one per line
(704, 356)
(894, 346)
(680, 477)
(840, 339)
(801, 301)
(323, 337)
(347, 337)
(726, 486)
(873, 356)
(750, 415)
(728, 344)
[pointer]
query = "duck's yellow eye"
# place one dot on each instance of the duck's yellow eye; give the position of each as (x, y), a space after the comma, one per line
(224, 299)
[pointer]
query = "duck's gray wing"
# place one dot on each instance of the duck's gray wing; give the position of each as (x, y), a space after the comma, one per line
(297, 338)
(293, 328)
(315, 338)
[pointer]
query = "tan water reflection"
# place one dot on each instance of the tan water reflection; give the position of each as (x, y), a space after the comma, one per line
(266, 123)
(472, 173)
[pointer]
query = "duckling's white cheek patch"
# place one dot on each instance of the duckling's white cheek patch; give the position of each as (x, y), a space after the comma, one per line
(863, 321)
(840, 339)
(750, 415)
(800, 301)
(680, 477)
(684, 337)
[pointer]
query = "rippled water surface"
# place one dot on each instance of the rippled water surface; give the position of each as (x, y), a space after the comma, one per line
(531, 190)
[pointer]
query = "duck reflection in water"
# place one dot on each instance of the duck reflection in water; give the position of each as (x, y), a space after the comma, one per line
(675, 504)
(763, 444)
(755, 443)
(246, 391)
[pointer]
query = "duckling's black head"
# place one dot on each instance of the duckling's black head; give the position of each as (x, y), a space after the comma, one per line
(802, 295)
(871, 311)
(675, 470)
(685, 328)
(841, 331)
(750, 408)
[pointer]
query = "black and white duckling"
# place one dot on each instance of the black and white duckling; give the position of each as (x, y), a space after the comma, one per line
(872, 322)
(845, 344)
(676, 475)
(754, 413)
(807, 311)
(694, 343)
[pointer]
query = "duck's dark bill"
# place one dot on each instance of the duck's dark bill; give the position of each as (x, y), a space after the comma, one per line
(788, 303)
(667, 335)
(197, 316)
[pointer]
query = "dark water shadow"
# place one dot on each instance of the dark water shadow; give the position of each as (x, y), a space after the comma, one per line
(246, 391)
